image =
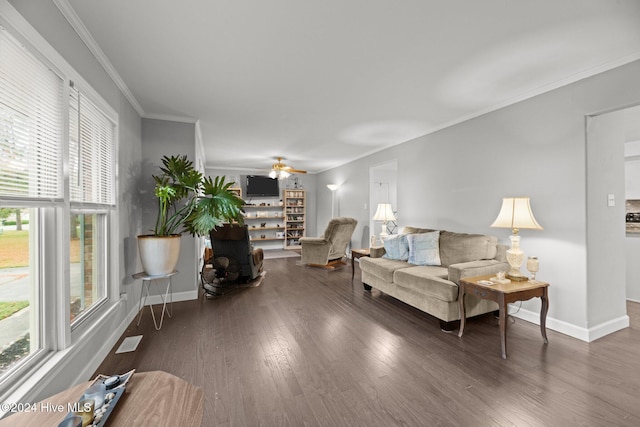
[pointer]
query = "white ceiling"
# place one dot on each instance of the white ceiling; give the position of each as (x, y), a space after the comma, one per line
(325, 82)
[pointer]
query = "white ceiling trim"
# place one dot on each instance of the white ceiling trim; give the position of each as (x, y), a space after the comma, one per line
(171, 118)
(609, 65)
(59, 65)
(76, 23)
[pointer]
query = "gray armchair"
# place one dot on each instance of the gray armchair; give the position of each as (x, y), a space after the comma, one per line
(328, 250)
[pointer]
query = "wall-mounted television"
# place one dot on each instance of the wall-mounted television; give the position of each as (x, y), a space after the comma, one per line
(262, 186)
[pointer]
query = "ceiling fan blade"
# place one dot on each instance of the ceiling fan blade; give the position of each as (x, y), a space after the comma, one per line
(283, 167)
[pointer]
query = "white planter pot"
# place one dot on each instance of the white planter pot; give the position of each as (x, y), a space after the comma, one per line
(159, 254)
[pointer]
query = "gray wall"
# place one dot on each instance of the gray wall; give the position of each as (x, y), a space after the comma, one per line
(130, 180)
(606, 293)
(166, 138)
(456, 178)
(89, 350)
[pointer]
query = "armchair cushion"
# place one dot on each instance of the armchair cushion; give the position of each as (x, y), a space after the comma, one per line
(313, 240)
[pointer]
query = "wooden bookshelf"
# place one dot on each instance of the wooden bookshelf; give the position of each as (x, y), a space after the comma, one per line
(295, 212)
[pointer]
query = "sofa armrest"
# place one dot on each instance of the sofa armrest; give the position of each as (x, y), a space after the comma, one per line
(475, 268)
(313, 240)
(377, 251)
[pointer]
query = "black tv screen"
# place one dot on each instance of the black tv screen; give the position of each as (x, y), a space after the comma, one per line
(262, 186)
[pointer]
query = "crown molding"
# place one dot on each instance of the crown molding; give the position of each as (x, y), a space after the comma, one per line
(76, 23)
(27, 34)
(606, 66)
(171, 118)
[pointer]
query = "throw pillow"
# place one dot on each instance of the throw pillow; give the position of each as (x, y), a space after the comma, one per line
(424, 248)
(396, 247)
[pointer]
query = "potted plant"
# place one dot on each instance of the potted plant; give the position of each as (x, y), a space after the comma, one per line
(187, 202)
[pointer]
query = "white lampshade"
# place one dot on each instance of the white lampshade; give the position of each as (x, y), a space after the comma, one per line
(332, 187)
(516, 214)
(384, 213)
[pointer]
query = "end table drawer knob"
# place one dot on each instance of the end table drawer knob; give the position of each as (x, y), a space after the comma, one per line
(480, 293)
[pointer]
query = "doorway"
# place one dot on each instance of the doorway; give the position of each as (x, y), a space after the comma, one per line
(611, 251)
(632, 201)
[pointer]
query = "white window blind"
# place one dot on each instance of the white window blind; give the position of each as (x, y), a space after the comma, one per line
(91, 151)
(30, 124)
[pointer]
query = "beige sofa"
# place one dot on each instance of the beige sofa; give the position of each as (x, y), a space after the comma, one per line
(434, 288)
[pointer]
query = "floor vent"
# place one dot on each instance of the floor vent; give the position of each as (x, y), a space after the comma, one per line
(129, 344)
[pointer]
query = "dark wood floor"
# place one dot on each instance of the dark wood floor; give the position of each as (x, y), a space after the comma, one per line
(308, 347)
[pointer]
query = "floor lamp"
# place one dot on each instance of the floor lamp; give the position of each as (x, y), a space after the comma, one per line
(333, 188)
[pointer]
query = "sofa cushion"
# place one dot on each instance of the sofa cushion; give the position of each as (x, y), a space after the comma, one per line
(416, 230)
(462, 247)
(396, 247)
(424, 248)
(429, 280)
(382, 268)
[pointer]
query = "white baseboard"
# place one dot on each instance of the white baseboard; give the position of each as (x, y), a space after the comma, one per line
(609, 327)
(584, 334)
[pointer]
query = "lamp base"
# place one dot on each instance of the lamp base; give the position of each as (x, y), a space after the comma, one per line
(515, 257)
(516, 277)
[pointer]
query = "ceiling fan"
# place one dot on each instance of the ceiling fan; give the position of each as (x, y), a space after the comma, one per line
(280, 170)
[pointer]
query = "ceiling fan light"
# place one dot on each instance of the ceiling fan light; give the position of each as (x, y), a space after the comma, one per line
(284, 174)
(273, 174)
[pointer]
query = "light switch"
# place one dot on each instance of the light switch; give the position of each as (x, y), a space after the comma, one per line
(611, 200)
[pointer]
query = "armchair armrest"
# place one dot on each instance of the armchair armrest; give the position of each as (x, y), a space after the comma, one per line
(475, 268)
(377, 251)
(313, 240)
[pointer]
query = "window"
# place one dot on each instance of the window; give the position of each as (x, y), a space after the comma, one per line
(91, 161)
(91, 136)
(57, 201)
(87, 278)
(30, 124)
(31, 111)
(20, 334)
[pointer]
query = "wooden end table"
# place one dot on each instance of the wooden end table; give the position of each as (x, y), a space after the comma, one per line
(504, 294)
(152, 398)
(357, 253)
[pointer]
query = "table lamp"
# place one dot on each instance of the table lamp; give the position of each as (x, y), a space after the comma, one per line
(384, 213)
(516, 214)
